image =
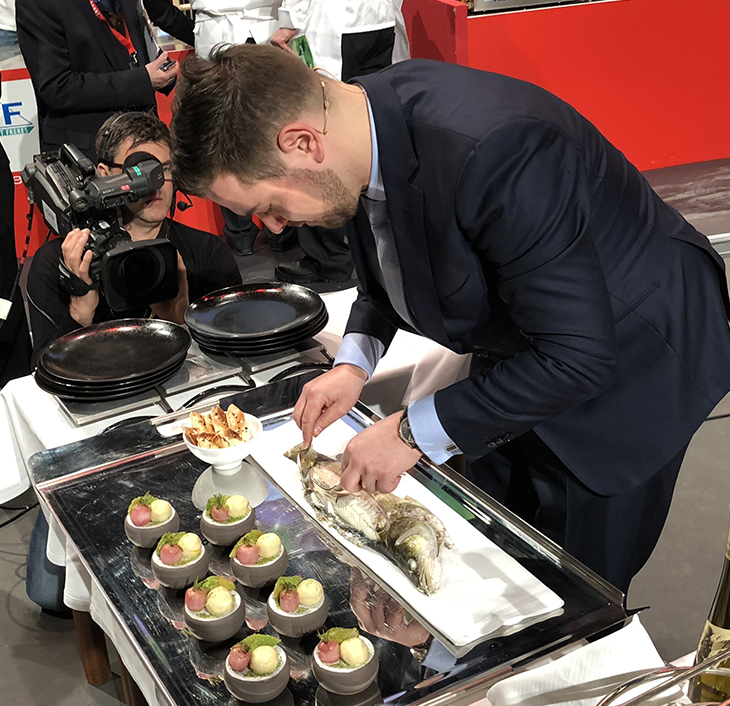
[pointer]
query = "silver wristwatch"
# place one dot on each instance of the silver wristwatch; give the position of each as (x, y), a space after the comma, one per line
(404, 431)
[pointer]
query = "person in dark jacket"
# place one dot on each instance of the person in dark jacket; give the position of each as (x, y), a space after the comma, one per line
(88, 59)
(204, 262)
(489, 216)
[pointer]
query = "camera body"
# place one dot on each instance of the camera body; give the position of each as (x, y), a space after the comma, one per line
(70, 194)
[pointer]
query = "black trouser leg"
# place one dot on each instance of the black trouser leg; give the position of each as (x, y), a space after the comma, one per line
(327, 251)
(240, 231)
(366, 52)
(614, 536)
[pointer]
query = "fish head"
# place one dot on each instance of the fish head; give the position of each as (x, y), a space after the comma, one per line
(416, 552)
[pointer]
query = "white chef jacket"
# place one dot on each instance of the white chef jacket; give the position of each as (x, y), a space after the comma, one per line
(233, 22)
(323, 22)
(7, 15)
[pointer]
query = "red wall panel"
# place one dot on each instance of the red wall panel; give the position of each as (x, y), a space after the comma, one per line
(651, 74)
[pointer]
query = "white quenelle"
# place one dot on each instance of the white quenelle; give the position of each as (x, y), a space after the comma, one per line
(220, 601)
(269, 545)
(310, 592)
(191, 545)
(354, 652)
(160, 510)
(264, 660)
(238, 506)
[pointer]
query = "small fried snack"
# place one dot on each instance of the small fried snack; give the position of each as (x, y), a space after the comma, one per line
(217, 429)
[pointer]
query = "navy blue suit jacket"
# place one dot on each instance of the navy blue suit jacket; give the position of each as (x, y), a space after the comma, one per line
(525, 235)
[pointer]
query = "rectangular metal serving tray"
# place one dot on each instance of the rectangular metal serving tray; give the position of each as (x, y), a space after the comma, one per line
(88, 485)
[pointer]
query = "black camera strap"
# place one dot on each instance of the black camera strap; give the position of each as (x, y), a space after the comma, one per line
(73, 284)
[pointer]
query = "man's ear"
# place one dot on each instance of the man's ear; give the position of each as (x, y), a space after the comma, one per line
(299, 140)
(102, 169)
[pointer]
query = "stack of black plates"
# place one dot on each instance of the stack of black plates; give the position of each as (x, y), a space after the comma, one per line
(112, 360)
(256, 318)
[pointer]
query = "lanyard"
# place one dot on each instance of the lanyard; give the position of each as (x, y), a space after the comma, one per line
(125, 41)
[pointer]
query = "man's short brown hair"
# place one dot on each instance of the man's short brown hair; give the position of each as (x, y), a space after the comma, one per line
(142, 126)
(228, 112)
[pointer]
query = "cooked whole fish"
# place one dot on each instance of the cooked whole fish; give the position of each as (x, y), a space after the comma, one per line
(401, 528)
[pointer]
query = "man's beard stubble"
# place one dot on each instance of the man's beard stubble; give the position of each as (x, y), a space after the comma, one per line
(342, 203)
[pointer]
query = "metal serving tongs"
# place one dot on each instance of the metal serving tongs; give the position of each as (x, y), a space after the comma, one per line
(672, 676)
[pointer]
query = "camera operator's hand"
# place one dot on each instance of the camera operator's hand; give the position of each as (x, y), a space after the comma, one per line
(174, 309)
(161, 78)
(72, 250)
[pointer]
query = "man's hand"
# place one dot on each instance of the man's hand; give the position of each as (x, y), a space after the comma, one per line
(327, 398)
(72, 250)
(158, 77)
(377, 457)
(281, 38)
(174, 309)
(379, 614)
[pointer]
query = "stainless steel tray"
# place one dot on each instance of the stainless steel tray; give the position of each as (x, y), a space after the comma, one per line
(88, 485)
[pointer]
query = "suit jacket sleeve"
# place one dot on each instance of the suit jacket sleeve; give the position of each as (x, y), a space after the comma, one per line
(171, 19)
(45, 48)
(522, 201)
(366, 319)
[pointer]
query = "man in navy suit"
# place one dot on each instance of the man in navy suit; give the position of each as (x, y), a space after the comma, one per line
(491, 217)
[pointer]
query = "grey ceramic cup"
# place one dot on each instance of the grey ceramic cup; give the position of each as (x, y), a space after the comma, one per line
(256, 576)
(147, 537)
(346, 682)
(225, 535)
(296, 625)
(259, 689)
(217, 629)
(181, 576)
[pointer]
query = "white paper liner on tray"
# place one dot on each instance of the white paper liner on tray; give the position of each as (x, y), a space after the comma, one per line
(484, 591)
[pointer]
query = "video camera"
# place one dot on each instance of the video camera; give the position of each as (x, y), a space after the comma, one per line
(70, 194)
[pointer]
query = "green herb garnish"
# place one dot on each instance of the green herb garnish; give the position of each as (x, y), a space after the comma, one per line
(286, 583)
(339, 635)
(214, 581)
(145, 499)
(250, 643)
(248, 540)
(216, 501)
(169, 538)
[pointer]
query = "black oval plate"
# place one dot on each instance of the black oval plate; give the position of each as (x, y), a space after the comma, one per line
(250, 311)
(115, 351)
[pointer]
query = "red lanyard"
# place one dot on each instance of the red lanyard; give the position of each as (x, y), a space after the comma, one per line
(125, 41)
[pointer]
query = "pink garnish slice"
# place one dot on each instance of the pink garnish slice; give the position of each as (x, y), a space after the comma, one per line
(329, 652)
(170, 554)
(289, 601)
(140, 515)
(238, 660)
(195, 599)
(247, 555)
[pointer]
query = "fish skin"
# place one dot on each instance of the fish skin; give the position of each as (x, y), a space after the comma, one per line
(401, 528)
(408, 507)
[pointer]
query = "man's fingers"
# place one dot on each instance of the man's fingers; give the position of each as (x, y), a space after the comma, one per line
(350, 478)
(160, 60)
(387, 485)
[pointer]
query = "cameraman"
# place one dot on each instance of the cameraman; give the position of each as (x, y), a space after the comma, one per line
(204, 262)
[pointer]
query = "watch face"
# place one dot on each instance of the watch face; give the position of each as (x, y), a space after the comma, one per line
(404, 431)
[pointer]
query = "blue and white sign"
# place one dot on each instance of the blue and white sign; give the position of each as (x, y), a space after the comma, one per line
(19, 123)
